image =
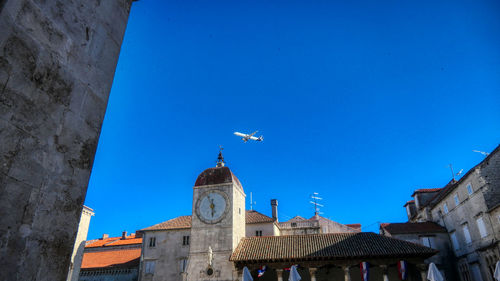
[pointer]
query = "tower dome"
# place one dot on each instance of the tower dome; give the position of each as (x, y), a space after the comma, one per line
(217, 175)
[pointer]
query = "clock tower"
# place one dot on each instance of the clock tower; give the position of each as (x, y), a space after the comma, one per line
(217, 224)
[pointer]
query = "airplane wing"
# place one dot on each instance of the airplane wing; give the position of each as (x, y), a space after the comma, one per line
(250, 135)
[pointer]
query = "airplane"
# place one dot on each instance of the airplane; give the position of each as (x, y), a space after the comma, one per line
(246, 137)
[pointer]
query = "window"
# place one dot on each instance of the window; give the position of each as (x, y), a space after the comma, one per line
(455, 198)
(239, 210)
(258, 233)
(464, 271)
(469, 189)
(481, 227)
(467, 234)
(445, 208)
(183, 264)
(294, 224)
(185, 240)
(454, 241)
(149, 267)
(152, 242)
(427, 241)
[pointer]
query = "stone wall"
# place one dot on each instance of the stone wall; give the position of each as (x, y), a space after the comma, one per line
(57, 62)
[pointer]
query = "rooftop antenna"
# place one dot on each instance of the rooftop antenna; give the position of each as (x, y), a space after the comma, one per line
(251, 202)
(314, 201)
(453, 175)
(482, 152)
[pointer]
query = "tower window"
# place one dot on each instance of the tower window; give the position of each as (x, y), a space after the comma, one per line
(150, 267)
(152, 242)
(258, 233)
(185, 240)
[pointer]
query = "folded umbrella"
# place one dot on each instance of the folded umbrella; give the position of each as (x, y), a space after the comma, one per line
(294, 275)
(433, 274)
(497, 271)
(246, 274)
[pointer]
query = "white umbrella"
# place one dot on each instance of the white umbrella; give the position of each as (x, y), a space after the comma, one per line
(294, 275)
(433, 274)
(497, 271)
(246, 274)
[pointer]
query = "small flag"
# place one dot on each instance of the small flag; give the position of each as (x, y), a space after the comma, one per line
(364, 267)
(402, 270)
(261, 270)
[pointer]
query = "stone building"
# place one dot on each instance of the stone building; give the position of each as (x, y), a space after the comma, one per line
(111, 258)
(220, 238)
(78, 248)
(469, 211)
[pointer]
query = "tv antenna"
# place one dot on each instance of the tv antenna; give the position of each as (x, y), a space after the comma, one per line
(482, 152)
(453, 175)
(251, 202)
(314, 201)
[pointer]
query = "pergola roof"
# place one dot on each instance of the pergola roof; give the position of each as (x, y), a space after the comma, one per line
(326, 246)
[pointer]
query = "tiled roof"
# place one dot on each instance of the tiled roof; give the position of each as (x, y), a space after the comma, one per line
(412, 227)
(356, 226)
(325, 246)
(427, 190)
(217, 175)
(184, 222)
(113, 258)
(296, 219)
(181, 222)
(113, 241)
(256, 217)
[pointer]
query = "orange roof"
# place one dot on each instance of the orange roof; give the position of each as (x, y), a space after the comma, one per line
(113, 241)
(125, 242)
(114, 258)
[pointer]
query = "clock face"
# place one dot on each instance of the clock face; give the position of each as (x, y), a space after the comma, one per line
(211, 207)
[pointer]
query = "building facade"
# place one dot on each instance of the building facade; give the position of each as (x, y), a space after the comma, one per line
(112, 258)
(78, 248)
(469, 211)
(221, 237)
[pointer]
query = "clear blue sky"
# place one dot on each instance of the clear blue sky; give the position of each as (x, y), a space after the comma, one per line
(360, 101)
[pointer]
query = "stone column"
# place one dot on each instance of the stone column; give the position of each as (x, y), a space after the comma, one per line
(347, 276)
(184, 276)
(312, 273)
(385, 276)
(279, 272)
(423, 271)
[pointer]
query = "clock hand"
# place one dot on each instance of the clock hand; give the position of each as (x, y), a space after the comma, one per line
(212, 206)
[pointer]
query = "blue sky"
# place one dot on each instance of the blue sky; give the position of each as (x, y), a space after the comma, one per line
(362, 102)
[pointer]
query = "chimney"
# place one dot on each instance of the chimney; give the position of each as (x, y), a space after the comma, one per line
(274, 207)
(124, 235)
(105, 236)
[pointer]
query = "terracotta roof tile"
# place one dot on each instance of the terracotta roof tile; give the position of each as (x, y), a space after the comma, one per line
(113, 258)
(181, 222)
(325, 246)
(412, 227)
(256, 217)
(121, 242)
(354, 225)
(113, 241)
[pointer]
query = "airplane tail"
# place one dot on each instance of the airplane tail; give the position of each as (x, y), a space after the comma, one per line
(261, 138)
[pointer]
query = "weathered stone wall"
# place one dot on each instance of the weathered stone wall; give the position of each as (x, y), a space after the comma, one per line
(57, 62)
